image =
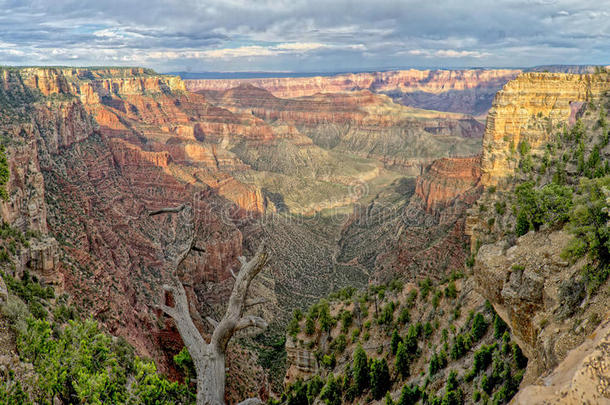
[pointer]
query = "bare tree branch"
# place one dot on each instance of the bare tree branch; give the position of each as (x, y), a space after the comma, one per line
(255, 301)
(251, 321)
(212, 321)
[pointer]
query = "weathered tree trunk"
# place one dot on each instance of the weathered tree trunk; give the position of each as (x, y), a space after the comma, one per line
(209, 358)
(211, 378)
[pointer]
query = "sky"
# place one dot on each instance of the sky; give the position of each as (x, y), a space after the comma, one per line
(304, 36)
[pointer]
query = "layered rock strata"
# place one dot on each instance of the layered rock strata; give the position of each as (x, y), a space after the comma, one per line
(464, 91)
(531, 108)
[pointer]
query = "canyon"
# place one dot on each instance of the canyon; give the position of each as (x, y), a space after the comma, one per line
(355, 179)
(91, 151)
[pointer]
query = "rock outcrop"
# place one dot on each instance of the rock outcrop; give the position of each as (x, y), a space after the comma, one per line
(537, 293)
(550, 307)
(583, 377)
(531, 108)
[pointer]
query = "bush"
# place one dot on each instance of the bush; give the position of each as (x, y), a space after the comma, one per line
(339, 344)
(425, 287)
(459, 347)
(487, 384)
(403, 361)
(428, 330)
(404, 316)
(411, 298)
(80, 364)
(518, 357)
(329, 361)
(551, 205)
(310, 326)
(451, 290)
(313, 388)
(394, 341)
(346, 320)
(360, 370)
(409, 395)
(293, 327)
(387, 314)
(331, 392)
(410, 341)
(326, 321)
(436, 299)
(524, 147)
(4, 173)
(380, 378)
(482, 358)
(479, 326)
(298, 394)
(589, 222)
(499, 326)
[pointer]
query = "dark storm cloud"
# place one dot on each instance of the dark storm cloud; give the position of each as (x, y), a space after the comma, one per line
(304, 35)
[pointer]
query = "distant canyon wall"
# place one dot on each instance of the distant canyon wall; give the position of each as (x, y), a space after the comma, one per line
(465, 91)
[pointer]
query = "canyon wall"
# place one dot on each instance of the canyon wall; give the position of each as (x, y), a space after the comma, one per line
(531, 108)
(446, 179)
(429, 81)
(360, 122)
(465, 91)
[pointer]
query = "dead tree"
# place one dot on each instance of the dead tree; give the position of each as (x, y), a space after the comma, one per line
(209, 358)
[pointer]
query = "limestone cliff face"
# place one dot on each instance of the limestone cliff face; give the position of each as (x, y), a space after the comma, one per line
(92, 84)
(582, 378)
(530, 108)
(431, 89)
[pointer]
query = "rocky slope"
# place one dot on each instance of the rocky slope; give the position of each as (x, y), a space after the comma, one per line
(428, 321)
(463, 91)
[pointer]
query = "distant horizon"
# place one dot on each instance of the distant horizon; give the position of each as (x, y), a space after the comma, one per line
(212, 75)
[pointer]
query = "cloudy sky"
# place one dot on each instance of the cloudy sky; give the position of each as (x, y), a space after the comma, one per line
(304, 36)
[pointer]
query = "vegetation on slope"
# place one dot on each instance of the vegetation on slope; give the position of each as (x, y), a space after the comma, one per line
(63, 357)
(563, 184)
(409, 344)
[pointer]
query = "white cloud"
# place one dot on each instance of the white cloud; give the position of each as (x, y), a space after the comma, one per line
(257, 50)
(448, 53)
